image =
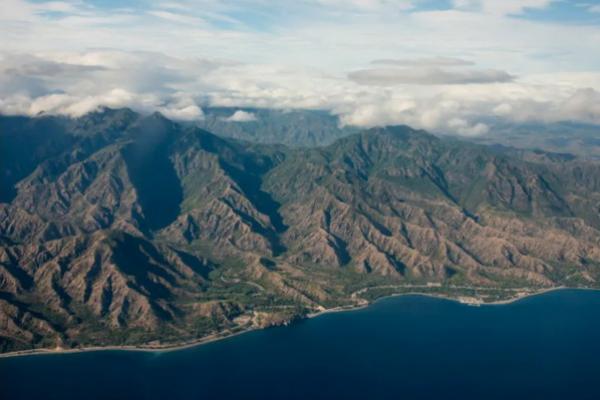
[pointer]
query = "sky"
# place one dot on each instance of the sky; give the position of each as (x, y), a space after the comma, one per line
(443, 65)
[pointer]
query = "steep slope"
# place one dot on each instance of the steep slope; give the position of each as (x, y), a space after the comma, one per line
(407, 204)
(135, 229)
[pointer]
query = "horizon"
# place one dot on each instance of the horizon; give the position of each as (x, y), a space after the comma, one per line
(442, 66)
(177, 172)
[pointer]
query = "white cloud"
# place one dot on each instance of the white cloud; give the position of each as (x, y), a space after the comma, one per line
(436, 69)
(241, 116)
(425, 62)
(19, 10)
(501, 7)
(75, 83)
(463, 127)
(176, 17)
(372, 5)
(427, 76)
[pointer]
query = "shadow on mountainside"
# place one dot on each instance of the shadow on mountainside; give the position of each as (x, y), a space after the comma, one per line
(152, 173)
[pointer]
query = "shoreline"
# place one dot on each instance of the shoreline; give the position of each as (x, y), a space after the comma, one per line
(460, 300)
(225, 335)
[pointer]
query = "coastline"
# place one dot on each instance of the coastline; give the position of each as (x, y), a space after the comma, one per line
(141, 348)
(511, 300)
(229, 334)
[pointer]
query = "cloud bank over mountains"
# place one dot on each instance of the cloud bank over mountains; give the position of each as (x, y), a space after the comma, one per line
(241, 116)
(446, 67)
(76, 83)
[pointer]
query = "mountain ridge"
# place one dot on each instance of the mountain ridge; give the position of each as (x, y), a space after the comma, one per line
(136, 229)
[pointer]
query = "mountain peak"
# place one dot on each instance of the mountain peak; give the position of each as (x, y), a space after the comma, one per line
(167, 231)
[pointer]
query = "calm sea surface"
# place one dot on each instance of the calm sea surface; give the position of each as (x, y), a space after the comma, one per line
(410, 347)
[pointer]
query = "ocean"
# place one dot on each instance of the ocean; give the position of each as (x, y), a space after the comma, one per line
(405, 347)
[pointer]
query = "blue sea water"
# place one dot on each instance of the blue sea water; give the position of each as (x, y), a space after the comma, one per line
(408, 347)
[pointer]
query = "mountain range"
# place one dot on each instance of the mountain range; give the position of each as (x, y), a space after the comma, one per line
(118, 228)
(310, 128)
(294, 128)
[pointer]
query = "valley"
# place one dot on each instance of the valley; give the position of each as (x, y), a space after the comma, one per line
(122, 229)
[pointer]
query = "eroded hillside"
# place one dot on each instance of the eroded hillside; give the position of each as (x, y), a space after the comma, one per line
(117, 228)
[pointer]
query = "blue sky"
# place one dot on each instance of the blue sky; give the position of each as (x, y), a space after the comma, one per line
(471, 25)
(437, 64)
(567, 12)
(264, 15)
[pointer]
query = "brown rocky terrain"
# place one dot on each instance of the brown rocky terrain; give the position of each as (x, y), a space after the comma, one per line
(117, 228)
